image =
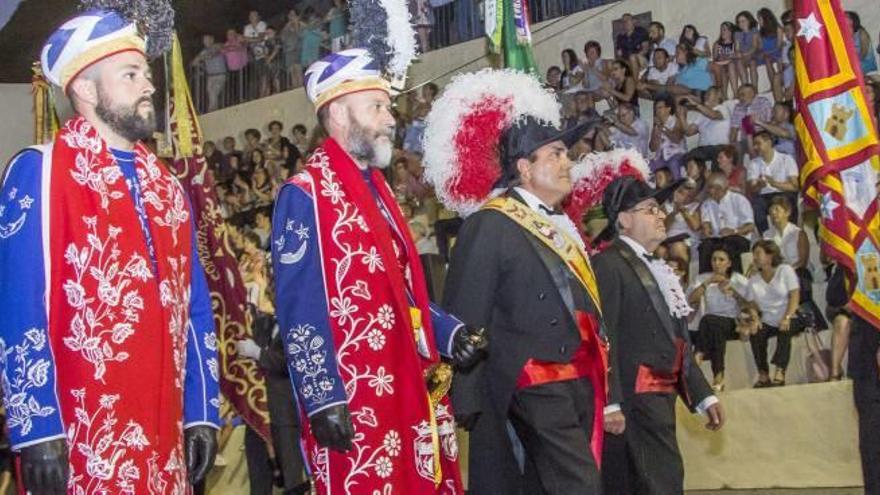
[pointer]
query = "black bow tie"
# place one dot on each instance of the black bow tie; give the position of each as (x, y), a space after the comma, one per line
(650, 257)
(548, 211)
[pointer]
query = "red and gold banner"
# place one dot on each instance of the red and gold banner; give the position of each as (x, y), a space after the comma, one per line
(241, 380)
(839, 148)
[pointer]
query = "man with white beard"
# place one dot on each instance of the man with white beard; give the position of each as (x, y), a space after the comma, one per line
(362, 339)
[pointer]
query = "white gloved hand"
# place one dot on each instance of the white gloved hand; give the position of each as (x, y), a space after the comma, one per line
(247, 348)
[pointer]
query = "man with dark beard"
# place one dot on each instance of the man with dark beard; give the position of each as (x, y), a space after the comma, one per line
(103, 288)
(363, 340)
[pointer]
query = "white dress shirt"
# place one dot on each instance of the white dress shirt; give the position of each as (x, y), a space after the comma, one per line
(781, 168)
(732, 212)
(561, 220)
(787, 240)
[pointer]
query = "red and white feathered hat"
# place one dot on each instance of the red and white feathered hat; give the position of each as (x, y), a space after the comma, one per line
(465, 128)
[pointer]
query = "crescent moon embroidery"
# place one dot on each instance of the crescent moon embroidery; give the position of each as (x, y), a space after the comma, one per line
(10, 229)
(292, 258)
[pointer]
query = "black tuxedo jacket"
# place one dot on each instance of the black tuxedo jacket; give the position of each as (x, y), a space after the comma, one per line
(503, 279)
(640, 328)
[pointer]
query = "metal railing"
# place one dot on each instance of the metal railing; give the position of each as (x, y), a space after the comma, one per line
(455, 22)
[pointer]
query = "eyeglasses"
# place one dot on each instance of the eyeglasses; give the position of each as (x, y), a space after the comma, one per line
(652, 210)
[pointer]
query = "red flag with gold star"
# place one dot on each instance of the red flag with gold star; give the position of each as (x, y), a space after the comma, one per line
(839, 148)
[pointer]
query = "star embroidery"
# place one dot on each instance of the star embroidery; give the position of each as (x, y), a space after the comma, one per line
(2, 210)
(289, 226)
(302, 232)
(828, 206)
(25, 202)
(12, 193)
(810, 27)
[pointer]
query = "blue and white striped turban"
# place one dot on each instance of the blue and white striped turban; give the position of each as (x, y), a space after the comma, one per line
(85, 39)
(342, 73)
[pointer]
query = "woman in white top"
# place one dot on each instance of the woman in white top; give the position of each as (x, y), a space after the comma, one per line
(773, 294)
(795, 249)
(721, 292)
(682, 222)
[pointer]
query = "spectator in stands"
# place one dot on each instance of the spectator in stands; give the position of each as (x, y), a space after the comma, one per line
(217, 163)
(862, 41)
(773, 294)
(271, 70)
(621, 86)
(783, 86)
(337, 25)
(695, 171)
(412, 142)
(300, 138)
(583, 111)
(554, 78)
(429, 93)
(255, 36)
(291, 45)
(710, 120)
(750, 107)
(235, 51)
(728, 164)
(262, 185)
(212, 63)
(251, 142)
(698, 43)
(682, 221)
(572, 72)
(841, 319)
(771, 174)
(313, 38)
(280, 150)
(872, 97)
(721, 293)
(728, 222)
(748, 46)
(693, 72)
(667, 138)
(595, 68)
(724, 60)
(659, 77)
(772, 42)
(626, 129)
(780, 127)
(631, 41)
(423, 20)
(658, 39)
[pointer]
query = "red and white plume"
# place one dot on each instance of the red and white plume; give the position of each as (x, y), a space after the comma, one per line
(464, 128)
(592, 174)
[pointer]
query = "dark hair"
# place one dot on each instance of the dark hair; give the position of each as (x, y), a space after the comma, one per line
(786, 17)
(253, 133)
(730, 26)
(262, 156)
(786, 105)
(684, 39)
(299, 128)
(729, 259)
(764, 134)
(250, 235)
(769, 247)
(433, 87)
(627, 70)
(731, 151)
(554, 67)
(572, 59)
(769, 24)
(855, 20)
(210, 143)
(682, 264)
(276, 123)
(228, 138)
(690, 57)
(666, 100)
(661, 50)
(592, 44)
(748, 15)
(780, 201)
(659, 26)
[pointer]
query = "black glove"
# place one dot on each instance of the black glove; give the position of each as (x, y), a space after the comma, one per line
(332, 428)
(468, 346)
(200, 445)
(44, 467)
(467, 421)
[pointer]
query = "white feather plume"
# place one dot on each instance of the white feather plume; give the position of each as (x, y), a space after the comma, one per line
(401, 37)
(591, 164)
(527, 97)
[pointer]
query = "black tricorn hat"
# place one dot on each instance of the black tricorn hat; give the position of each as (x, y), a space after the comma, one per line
(529, 134)
(624, 193)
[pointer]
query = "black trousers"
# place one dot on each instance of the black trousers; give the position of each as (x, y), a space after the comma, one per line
(258, 462)
(286, 438)
(554, 422)
(782, 355)
(864, 344)
(712, 336)
(645, 460)
(735, 245)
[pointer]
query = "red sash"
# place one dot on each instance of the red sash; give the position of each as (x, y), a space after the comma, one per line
(398, 436)
(118, 328)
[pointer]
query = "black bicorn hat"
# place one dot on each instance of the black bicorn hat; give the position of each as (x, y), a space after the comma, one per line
(626, 192)
(529, 134)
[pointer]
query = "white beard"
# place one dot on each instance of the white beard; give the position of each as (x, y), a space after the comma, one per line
(383, 154)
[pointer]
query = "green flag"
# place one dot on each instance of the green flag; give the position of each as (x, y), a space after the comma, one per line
(517, 46)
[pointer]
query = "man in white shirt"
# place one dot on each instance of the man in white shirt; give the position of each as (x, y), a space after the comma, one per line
(768, 175)
(710, 119)
(728, 223)
(255, 35)
(650, 362)
(627, 130)
(656, 79)
(658, 39)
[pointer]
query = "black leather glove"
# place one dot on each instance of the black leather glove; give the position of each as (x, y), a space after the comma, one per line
(44, 467)
(467, 421)
(468, 346)
(200, 446)
(332, 428)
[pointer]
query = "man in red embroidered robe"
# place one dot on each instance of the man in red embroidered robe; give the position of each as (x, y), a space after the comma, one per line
(109, 365)
(361, 335)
